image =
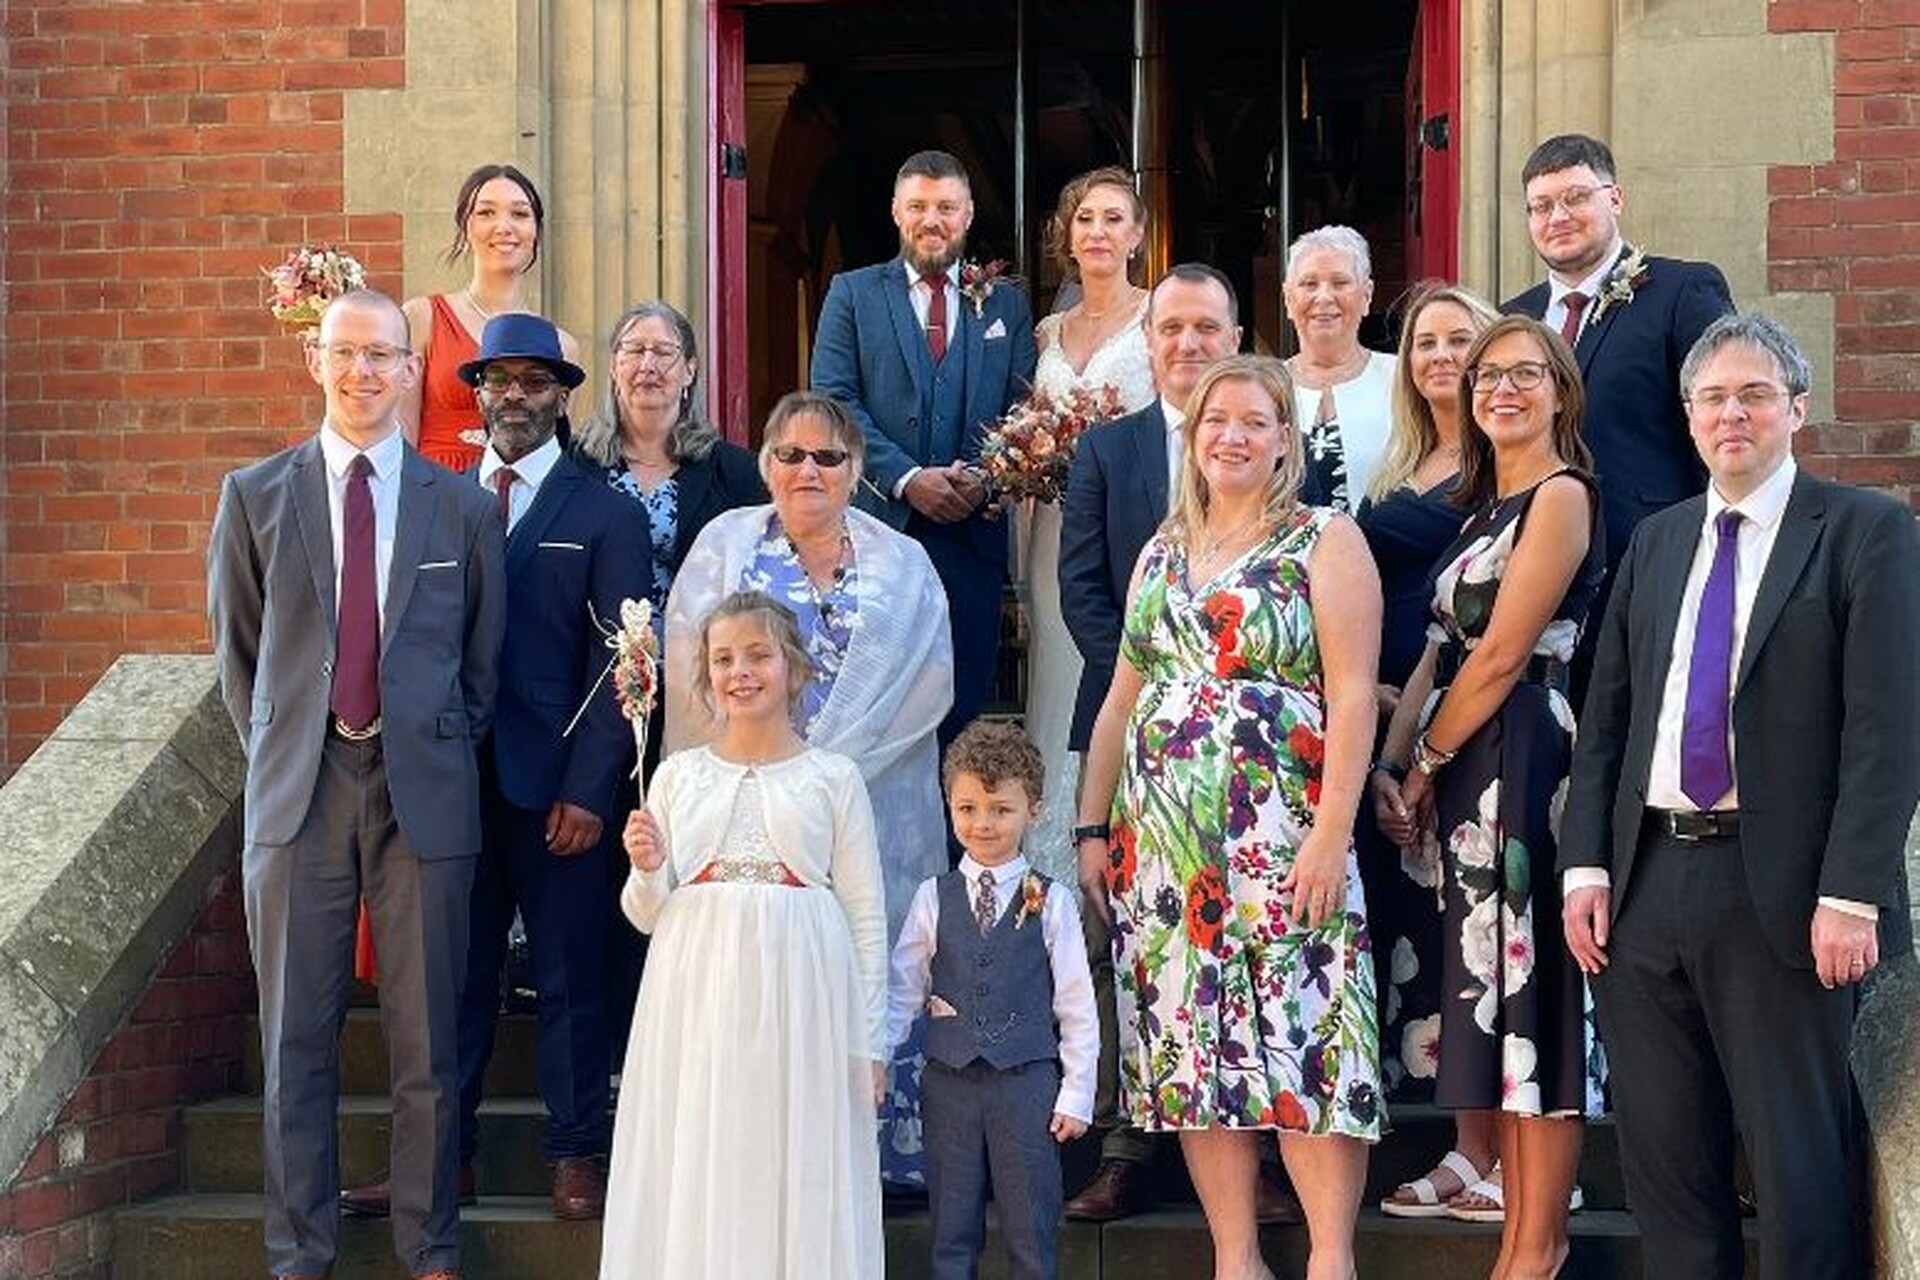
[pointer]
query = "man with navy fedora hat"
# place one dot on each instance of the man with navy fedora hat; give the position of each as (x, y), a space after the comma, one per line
(551, 767)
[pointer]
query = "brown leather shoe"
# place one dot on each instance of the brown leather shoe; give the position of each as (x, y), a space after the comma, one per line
(579, 1188)
(1118, 1190)
(1275, 1207)
(375, 1200)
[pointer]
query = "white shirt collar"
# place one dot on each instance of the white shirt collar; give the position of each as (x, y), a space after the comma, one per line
(1766, 504)
(531, 470)
(913, 277)
(385, 454)
(1176, 418)
(1006, 873)
(1591, 284)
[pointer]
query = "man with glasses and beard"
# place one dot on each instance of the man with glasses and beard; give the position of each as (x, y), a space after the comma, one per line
(550, 769)
(927, 355)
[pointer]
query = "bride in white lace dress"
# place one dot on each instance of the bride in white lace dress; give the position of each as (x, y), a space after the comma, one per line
(1098, 342)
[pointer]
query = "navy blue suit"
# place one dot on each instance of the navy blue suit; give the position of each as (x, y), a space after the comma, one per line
(576, 553)
(871, 354)
(1116, 497)
(1630, 361)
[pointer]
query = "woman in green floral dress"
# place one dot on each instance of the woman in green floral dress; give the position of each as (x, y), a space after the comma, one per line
(1230, 754)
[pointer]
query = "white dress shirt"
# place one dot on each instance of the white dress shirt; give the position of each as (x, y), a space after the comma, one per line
(528, 475)
(911, 977)
(1557, 291)
(384, 485)
(920, 294)
(1762, 511)
(1176, 445)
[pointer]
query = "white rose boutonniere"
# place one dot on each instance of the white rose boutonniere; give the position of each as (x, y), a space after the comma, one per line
(1627, 275)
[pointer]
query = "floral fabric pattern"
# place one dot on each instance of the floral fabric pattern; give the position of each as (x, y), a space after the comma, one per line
(663, 517)
(827, 617)
(1515, 1028)
(1229, 1013)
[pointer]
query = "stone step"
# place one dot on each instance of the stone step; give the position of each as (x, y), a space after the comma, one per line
(215, 1237)
(513, 1070)
(223, 1150)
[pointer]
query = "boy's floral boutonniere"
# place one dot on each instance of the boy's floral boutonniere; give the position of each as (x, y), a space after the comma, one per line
(1033, 897)
(977, 281)
(1627, 275)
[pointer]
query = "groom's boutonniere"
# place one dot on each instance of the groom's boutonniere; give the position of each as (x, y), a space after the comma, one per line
(977, 281)
(1033, 897)
(1627, 275)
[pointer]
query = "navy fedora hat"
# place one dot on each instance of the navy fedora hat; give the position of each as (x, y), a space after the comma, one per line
(520, 335)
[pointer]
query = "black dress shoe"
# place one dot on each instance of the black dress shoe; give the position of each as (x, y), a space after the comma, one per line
(1118, 1190)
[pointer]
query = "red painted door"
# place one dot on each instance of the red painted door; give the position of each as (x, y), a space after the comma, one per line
(726, 160)
(1433, 142)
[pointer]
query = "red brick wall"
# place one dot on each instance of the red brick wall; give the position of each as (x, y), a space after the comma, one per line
(1851, 228)
(159, 154)
(117, 1140)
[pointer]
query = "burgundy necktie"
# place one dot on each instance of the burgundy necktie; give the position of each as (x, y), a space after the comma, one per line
(356, 661)
(1706, 771)
(503, 486)
(936, 282)
(1570, 327)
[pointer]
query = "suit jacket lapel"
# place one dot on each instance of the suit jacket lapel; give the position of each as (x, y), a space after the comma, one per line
(1150, 454)
(1665, 585)
(1800, 526)
(1591, 337)
(548, 501)
(906, 327)
(418, 493)
(970, 329)
(316, 526)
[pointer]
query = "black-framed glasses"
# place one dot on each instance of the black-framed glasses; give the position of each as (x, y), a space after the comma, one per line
(792, 455)
(1524, 375)
(342, 356)
(1753, 396)
(533, 382)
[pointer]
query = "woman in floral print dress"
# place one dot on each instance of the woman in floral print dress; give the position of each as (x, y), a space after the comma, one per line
(1490, 773)
(1236, 735)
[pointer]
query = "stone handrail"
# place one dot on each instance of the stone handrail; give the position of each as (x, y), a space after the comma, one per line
(113, 836)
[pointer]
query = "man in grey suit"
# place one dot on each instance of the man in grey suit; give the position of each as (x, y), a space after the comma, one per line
(1734, 840)
(357, 598)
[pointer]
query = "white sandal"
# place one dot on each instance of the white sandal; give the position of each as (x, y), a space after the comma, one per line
(1495, 1208)
(1427, 1202)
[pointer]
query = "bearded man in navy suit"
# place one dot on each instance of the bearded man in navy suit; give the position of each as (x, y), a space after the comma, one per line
(926, 362)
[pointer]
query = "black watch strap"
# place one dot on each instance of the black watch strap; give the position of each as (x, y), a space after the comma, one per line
(1091, 831)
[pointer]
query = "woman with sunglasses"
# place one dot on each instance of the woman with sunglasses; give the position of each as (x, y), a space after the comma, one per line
(1486, 770)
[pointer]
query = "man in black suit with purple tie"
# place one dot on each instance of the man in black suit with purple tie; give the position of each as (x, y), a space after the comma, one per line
(1734, 842)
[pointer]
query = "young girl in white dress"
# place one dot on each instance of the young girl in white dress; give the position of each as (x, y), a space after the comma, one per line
(743, 1148)
(1100, 341)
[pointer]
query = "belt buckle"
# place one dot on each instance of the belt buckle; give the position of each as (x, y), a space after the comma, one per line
(352, 734)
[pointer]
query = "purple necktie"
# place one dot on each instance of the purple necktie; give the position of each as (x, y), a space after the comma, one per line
(1706, 772)
(356, 660)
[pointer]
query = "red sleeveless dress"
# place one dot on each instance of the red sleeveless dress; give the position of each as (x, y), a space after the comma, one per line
(447, 406)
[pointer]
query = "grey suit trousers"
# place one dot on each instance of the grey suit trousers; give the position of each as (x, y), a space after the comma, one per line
(302, 903)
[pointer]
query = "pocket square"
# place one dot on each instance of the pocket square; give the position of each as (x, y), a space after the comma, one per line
(938, 1008)
(998, 329)
(563, 546)
(441, 564)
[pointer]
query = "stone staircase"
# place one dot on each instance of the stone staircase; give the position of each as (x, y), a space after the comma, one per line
(212, 1229)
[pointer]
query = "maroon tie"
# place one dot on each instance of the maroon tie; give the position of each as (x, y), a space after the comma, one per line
(1570, 327)
(503, 486)
(936, 282)
(356, 665)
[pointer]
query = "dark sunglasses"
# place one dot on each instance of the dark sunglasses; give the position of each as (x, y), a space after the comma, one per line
(793, 455)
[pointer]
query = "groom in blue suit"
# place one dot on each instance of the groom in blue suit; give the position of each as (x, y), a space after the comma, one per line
(927, 362)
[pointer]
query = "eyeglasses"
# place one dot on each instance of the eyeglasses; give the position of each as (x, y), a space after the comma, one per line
(1574, 200)
(532, 382)
(1524, 376)
(1755, 395)
(342, 356)
(659, 352)
(792, 455)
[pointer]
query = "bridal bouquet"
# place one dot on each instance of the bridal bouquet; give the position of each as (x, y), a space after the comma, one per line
(1027, 453)
(299, 289)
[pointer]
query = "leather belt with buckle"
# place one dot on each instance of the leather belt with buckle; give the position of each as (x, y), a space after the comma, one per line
(352, 734)
(1694, 824)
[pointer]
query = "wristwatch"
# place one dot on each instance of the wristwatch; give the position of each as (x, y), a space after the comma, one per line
(1092, 831)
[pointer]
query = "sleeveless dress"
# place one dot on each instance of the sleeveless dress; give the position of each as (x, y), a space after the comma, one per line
(1407, 530)
(1515, 1030)
(1053, 660)
(447, 405)
(1229, 1013)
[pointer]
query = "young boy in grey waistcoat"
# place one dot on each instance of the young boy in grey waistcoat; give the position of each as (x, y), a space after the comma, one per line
(992, 951)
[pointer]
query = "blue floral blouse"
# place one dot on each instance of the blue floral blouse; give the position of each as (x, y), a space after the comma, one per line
(827, 616)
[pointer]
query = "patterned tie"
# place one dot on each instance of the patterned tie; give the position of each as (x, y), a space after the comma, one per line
(355, 698)
(985, 908)
(1706, 772)
(503, 486)
(1576, 307)
(936, 282)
